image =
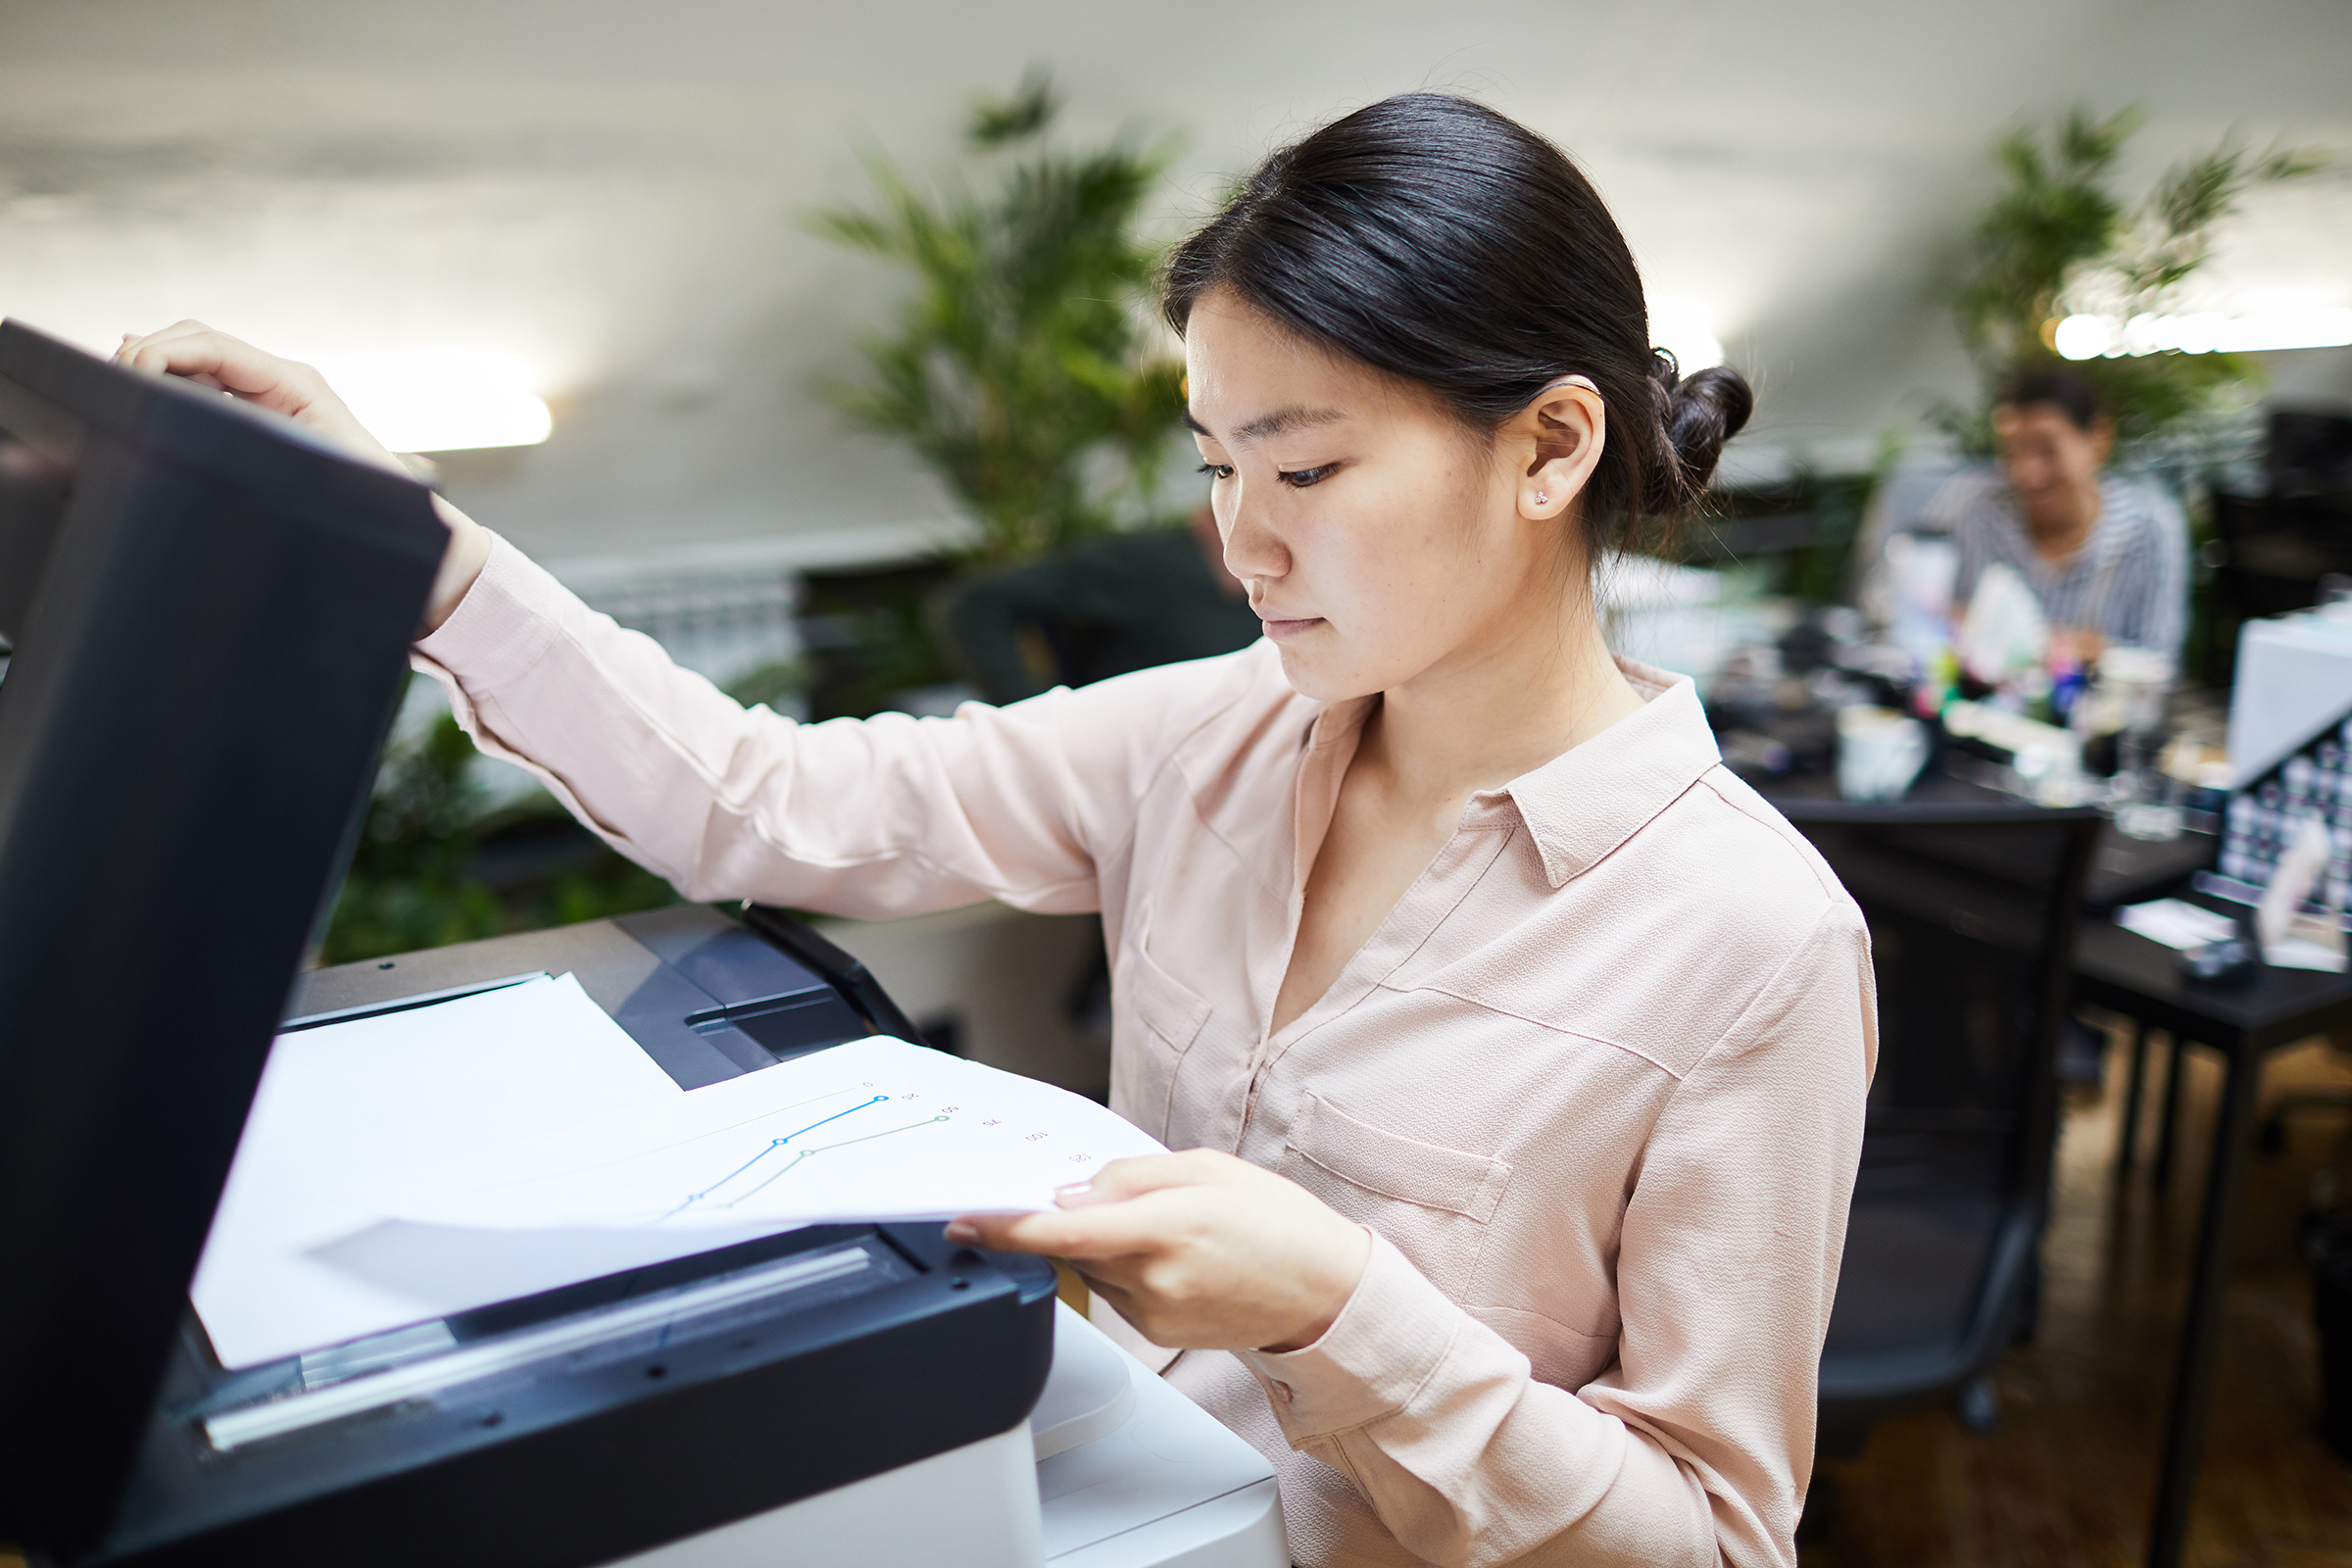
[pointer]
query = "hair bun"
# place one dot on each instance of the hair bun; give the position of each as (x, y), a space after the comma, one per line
(1698, 413)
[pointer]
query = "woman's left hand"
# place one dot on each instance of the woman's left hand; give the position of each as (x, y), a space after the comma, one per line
(1197, 1251)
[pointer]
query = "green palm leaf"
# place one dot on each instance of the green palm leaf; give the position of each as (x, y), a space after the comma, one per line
(1020, 367)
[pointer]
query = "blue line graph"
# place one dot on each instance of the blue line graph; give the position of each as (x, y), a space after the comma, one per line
(693, 1199)
(775, 1175)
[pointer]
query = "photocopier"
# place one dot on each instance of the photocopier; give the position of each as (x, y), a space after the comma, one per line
(204, 617)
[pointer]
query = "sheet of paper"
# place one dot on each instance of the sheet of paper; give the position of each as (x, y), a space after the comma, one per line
(874, 1129)
(2175, 924)
(2297, 951)
(342, 1107)
(2293, 938)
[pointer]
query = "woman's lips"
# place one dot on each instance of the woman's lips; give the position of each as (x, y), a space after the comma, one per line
(1279, 628)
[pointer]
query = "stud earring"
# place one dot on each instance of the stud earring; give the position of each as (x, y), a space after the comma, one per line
(1542, 500)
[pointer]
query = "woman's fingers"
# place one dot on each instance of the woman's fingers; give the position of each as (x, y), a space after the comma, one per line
(197, 353)
(1104, 1230)
(1112, 1215)
(1004, 1232)
(133, 341)
(1129, 1207)
(1133, 1177)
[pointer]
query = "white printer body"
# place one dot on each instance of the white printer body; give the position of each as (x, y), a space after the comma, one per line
(1114, 1469)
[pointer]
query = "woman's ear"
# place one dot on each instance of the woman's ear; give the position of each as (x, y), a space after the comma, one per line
(1558, 438)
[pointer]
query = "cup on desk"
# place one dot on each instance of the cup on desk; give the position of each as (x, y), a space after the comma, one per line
(2151, 808)
(1879, 752)
(2137, 683)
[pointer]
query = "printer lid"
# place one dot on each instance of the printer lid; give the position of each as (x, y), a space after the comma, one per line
(188, 725)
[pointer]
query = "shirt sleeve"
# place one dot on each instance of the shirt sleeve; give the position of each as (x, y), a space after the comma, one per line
(1695, 1447)
(873, 818)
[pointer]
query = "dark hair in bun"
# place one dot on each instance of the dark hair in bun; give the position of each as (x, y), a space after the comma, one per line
(1432, 238)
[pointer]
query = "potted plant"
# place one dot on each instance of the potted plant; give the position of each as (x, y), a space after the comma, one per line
(2058, 240)
(1023, 366)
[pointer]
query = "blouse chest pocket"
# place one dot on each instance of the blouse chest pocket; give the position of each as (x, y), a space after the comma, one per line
(1430, 1202)
(1171, 1015)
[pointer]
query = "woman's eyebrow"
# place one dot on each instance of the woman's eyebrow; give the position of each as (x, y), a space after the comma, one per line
(1280, 422)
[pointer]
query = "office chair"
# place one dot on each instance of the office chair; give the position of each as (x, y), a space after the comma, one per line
(1971, 911)
(1124, 602)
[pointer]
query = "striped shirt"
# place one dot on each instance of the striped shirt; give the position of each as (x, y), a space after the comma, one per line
(2129, 581)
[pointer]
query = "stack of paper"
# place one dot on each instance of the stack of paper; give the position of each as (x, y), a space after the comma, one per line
(400, 1168)
(2175, 924)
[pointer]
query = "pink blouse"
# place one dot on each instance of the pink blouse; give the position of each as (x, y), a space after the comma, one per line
(1595, 1086)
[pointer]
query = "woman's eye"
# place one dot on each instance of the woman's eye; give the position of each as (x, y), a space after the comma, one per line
(1217, 470)
(1301, 478)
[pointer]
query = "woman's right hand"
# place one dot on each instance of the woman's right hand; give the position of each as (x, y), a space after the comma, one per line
(195, 351)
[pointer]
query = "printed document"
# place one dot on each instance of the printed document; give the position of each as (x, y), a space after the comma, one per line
(343, 1105)
(401, 1168)
(874, 1129)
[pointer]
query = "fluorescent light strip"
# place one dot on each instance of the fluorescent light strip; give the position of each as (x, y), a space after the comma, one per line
(2091, 337)
(373, 1391)
(441, 400)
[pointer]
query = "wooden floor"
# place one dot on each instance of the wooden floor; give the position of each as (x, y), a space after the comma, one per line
(2070, 1476)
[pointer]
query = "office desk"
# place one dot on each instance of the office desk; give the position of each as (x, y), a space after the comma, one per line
(2140, 979)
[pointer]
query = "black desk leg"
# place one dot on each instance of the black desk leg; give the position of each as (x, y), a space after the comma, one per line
(2208, 1299)
(2126, 1138)
(2161, 1174)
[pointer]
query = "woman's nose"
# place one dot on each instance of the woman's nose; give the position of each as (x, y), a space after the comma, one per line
(1251, 549)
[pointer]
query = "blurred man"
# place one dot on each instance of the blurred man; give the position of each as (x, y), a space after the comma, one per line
(2106, 558)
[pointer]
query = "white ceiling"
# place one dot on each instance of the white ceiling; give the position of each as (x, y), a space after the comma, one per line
(610, 190)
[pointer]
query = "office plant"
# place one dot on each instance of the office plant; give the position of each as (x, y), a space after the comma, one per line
(1022, 367)
(437, 861)
(2058, 238)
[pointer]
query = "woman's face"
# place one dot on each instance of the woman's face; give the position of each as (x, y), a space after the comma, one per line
(1380, 542)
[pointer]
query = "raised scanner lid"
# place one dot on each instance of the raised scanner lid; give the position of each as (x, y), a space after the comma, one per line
(189, 728)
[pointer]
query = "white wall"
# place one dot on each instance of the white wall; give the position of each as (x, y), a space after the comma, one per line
(609, 190)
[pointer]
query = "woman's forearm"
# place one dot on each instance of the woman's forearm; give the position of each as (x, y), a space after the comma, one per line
(890, 816)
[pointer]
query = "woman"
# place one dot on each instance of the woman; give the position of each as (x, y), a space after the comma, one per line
(2104, 557)
(1518, 1051)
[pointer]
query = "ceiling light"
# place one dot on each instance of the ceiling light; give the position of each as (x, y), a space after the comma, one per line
(2083, 337)
(441, 400)
(2088, 337)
